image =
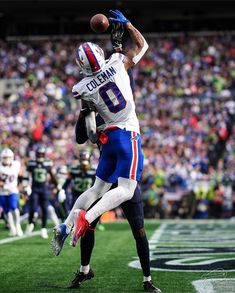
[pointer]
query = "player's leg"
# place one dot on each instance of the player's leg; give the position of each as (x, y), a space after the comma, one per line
(1, 206)
(85, 200)
(52, 214)
(9, 215)
(133, 210)
(11, 223)
(113, 198)
(87, 244)
(13, 205)
(43, 202)
(125, 147)
(110, 200)
(86, 247)
(63, 207)
(33, 206)
(2, 213)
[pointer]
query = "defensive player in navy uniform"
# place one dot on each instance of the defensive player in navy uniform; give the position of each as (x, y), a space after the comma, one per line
(81, 176)
(39, 169)
(133, 209)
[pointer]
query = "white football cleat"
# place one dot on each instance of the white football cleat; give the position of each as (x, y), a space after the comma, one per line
(44, 234)
(60, 234)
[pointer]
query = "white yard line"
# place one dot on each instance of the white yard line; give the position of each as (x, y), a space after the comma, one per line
(156, 236)
(158, 233)
(12, 239)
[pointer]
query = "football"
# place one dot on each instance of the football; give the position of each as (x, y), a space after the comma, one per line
(99, 23)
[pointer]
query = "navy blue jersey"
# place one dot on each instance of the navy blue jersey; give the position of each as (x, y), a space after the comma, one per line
(81, 180)
(39, 172)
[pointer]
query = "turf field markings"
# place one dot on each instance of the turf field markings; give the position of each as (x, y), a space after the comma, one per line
(157, 236)
(152, 244)
(217, 285)
(192, 247)
(12, 239)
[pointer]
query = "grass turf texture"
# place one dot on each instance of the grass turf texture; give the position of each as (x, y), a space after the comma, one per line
(28, 265)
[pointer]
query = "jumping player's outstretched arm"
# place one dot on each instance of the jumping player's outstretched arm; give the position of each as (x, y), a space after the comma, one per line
(140, 45)
(116, 40)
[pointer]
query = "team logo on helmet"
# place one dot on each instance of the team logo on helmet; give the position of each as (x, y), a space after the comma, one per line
(90, 58)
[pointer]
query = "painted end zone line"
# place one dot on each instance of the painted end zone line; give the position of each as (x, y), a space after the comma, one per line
(12, 239)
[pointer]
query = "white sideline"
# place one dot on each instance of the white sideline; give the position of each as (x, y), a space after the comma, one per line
(12, 239)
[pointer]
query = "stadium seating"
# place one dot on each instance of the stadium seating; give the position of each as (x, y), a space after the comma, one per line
(184, 99)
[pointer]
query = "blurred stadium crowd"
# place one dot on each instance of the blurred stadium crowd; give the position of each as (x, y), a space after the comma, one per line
(185, 89)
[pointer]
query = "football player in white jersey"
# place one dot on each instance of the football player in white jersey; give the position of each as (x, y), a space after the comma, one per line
(107, 87)
(9, 193)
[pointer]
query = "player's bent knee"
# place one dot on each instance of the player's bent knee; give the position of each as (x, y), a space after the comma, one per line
(129, 186)
(140, 233)
(100, 186)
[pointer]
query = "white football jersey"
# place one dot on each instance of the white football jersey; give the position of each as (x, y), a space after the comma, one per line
(111, 93)
(9, 175)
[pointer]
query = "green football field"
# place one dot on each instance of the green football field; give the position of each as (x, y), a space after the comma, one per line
(181, 252)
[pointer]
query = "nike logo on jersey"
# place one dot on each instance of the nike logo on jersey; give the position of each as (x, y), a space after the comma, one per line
(101, 78)
(135, 138)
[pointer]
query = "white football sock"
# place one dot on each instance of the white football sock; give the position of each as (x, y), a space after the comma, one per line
(147, 279)
(19, 231)
(113, 198)
(17, 217)
(11, 223)
(52, 215)
(85, 269)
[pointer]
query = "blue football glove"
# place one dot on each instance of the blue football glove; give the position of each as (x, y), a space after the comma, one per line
(119, 17)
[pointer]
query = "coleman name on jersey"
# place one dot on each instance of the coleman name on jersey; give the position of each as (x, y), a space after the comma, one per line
(100, 78)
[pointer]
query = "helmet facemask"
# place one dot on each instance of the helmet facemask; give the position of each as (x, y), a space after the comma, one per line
(41, 154)
(85, 160)
(7, 157)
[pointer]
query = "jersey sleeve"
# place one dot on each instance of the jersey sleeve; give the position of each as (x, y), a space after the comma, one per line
(118, 57)
(75, 92)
